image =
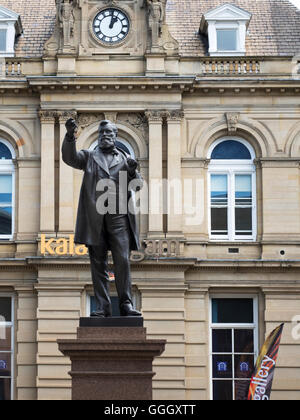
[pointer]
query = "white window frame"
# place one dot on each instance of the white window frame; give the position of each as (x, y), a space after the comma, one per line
(7, 168)
(226, 16)
(240, 326)
(231, 168)
(11, 22)
(12, 352)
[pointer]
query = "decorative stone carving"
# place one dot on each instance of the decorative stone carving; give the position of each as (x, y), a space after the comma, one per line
(175, 115)
(62, 39)
(63, 116)
(66, 23)
(85, 120)
(160, 37)
(232, 119)
(155, 115)
(156, 10)
(47, 116)
(137, 120)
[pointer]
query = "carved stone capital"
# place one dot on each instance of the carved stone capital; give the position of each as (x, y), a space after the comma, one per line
(86, 119)
(63, 116)
(47, 116)
(155, 115)
(176, 115)
(232, 119)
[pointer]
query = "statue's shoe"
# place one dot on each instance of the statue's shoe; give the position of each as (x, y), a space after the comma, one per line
(126, 309)
(99, 314)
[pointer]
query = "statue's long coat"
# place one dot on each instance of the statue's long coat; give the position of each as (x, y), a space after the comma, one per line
(93, 163)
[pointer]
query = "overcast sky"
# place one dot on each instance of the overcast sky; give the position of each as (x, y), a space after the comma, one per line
(296, 3)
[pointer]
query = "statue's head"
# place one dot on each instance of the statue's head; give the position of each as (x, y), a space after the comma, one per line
(107, 134)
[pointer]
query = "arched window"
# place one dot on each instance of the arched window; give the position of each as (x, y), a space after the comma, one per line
(7, 186)
(232, 190)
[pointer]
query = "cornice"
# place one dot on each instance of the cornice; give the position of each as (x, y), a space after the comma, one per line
(165, 264)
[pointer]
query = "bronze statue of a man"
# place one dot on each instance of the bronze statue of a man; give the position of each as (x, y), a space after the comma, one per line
(99, 229)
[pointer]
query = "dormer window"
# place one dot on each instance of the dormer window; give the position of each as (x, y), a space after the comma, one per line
(10, 29)
(226, 27)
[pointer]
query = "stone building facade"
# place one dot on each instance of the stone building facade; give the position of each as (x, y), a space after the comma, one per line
(206, 96)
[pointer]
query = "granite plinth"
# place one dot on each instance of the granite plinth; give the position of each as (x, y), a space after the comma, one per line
(116, 321)
(111, 362)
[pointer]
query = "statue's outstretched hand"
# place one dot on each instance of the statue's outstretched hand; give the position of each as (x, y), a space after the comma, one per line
(71, 127)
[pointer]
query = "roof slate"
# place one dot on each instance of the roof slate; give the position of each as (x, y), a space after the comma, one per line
(38, 20)
(274, 29)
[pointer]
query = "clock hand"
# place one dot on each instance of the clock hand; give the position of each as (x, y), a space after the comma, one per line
(112, 22)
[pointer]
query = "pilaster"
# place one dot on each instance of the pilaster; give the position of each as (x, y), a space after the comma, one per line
(155, 119)
(66, 212)
(174, 120)
(47, 212)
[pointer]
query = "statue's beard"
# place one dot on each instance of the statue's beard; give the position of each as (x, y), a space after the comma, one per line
(107, 146)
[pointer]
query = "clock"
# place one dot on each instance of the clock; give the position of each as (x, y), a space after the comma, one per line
(111, 26)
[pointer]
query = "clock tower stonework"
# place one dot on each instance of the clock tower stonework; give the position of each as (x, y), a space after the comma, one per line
(89, 28)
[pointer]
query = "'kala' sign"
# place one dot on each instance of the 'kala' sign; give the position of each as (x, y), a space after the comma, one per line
(61, 246)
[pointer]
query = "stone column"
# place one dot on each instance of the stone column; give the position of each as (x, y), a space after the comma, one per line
(175, 203)
(155, 119)
(66, 212)
(47, 212)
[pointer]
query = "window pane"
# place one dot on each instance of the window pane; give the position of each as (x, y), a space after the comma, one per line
(243, 221)
(5, 189)
(243, 366)
(227, 39)
(241, 389)
(5, 338)
(243, 341)
(2, 39)
(219, 188)
(5, 364)
(5, 220)
(243, 189)
(222, 366)
(5, 153)
(231, 149)
(5, 389)
(219, 221)
(5, 309)
(232, 311)
(222, 390)
(222, 341)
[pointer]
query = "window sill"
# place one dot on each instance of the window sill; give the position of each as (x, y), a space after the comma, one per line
(227, 54)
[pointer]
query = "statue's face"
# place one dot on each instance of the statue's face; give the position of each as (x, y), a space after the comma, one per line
(107, 136)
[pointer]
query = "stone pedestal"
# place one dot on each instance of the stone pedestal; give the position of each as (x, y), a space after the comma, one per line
(111, 359)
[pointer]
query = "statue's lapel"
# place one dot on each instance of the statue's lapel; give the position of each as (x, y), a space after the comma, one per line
(116, 160)
(100, 159)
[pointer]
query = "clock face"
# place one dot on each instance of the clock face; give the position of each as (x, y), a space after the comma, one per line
(111, 26)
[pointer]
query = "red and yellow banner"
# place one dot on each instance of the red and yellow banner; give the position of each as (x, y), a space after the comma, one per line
(262, 379)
